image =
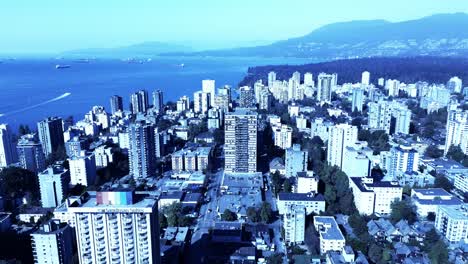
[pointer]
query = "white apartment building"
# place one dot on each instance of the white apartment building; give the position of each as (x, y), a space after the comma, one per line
(461, 182)
(294, 224)
(209, 86)
(313, 203)
(321, 128)
(306, 182)
(103, 156)
(427, 200)
(201, 102)
(283, 136)
(452, 222)
(52, 243)
(117, 227)
(374, 197)
(82, 169)
(457, 130)
(331, 238)
(356, 161)
(53, 186)
(341, 136)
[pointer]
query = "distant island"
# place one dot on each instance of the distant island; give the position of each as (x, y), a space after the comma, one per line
(408, 70)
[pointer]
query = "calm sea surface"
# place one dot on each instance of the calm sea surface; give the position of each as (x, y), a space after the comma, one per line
(32, 89)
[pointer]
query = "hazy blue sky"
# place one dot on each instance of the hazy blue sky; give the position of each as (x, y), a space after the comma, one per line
(57, 25)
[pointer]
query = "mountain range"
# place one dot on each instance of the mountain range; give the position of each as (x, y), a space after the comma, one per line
(437, 35)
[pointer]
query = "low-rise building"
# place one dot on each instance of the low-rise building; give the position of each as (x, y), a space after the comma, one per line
(452, 222)
(331, 238)
(306, 182)
(374, 197)
(427, 200)
(313, 203)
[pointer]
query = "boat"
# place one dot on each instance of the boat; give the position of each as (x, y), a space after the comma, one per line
(181, 65)
(58, 66)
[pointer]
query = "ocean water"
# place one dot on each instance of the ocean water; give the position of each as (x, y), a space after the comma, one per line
(32, 89)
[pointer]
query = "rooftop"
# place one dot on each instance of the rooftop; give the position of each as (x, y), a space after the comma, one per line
(459, 212)
(328, 228)
(283, 196)
(90, 205)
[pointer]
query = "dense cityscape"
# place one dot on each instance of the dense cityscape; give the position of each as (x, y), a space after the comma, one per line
(305, 169)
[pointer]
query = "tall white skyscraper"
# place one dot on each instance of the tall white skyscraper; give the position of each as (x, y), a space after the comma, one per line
(358, 99)
(7, 151)
(30, 154)
(324, 87)
(390, 116)
(271, 79)
(201, 102)
(183, 104)
(340, 137)
(82, 169)
(116, 227)
(141, 153)
(365, 79)
(53, 243)
(283, 136)
(241, 141)
(208, 86)
(393, 87)
(457, 130)
(455, 84)
(53, 185)
(308, 79)
(51, 134)
(139, 102)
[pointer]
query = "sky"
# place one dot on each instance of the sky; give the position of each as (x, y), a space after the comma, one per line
(50, 26)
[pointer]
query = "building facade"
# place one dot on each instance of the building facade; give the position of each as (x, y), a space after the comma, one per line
(241, 141)
(117, 227)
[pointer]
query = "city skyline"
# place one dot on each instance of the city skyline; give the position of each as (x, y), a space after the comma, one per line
(55, 26)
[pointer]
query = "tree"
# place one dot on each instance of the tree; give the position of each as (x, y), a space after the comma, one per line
(162, 220)
(431, 216)
(375, 253)
(442, 182)
(433, 152)
(253, 215)
(17, 181)
(287, 187)
(403, 209)
(173, 212)
(276, 182)
(266, 214)
(439, 253)
(358, 223)
(455, 153)
(276, 258)
(23, 130)
(228, 215)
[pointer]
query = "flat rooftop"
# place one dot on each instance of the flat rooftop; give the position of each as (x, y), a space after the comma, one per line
(459, 212)
(145, 204)
(328, 228)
